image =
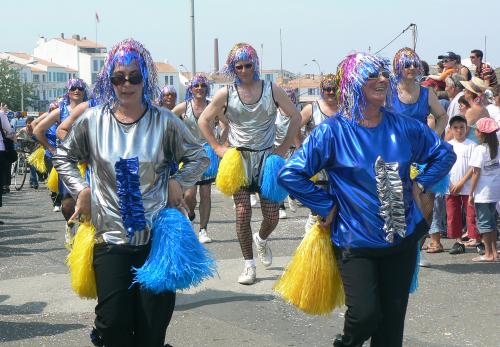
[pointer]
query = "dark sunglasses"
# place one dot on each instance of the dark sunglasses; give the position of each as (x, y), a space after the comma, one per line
(447, 60)
(329, 89)
(376, 75)
(200, 85)
(246, 66)
(118, 80)
(72, 89)
(409, 64)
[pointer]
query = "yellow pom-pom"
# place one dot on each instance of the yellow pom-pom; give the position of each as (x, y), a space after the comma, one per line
(80, 262)
(82, 167)
(181, 164)
(53, 181)
(37, 159)
(312, 281)
(414, 172)
(315, 178)
(231, 175)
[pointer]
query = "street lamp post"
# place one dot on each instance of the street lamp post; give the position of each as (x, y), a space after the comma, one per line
(319, 69)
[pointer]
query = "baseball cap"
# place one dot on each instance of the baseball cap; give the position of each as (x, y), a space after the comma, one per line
(450, 55)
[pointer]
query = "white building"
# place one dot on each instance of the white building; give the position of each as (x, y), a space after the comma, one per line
(273, 75)
(48, 79)
(77, 53)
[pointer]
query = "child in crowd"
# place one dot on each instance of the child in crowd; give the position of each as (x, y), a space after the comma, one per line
(457, 198)
(485, 187)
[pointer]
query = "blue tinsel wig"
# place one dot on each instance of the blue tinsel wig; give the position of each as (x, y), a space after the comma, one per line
(124, 53)
(241, 52)
(404, 58)
(352, 74)
(197, 79)
(167, 90)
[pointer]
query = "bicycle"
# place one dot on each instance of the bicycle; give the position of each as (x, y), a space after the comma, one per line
(20, 167)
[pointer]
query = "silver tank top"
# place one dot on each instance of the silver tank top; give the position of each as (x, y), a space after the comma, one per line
(191, 123)
(318, 116)
(251, 125)
(282, 124)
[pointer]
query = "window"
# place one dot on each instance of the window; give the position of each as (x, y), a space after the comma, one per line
(36, 78)
(171, 80)
(268, 77)
(101, 64)
(96, 65)
(166, 79)
(44, 95)
(43, 78)
(94, 77)
(312, 91)
(50, 93)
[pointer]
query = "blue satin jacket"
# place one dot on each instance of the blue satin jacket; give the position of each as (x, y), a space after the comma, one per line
(349, 155)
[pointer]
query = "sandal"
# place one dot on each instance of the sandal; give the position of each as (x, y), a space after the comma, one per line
(435, 249)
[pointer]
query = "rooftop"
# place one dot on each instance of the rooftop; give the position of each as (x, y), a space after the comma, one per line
(36, 67)
(83, 42)
(165, 67)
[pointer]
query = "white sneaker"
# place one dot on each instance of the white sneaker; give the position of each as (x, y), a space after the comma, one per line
(292, 205)
(311, 220)
(263, 250)
(203, 237)
(424, 262)
(248, 275)
(253, 200)
(282, 214)
(57, 209)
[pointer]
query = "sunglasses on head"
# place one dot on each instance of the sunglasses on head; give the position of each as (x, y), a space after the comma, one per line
(329, 89)
(72, 89)
(200, 85)
(118, 80)
(376, 75)
(246, 66)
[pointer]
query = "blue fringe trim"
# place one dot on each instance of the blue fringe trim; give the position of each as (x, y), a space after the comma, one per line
(129, 195)
(211, 170)
(414, 280)
(270, 189)
(177, 259)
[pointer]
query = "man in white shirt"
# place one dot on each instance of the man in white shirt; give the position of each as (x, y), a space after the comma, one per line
(455, 90)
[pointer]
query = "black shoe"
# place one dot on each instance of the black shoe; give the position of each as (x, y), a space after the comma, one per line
(480, 248)
(457, 248)
(2, 222)
(96, 338)
(191, 216)
(35, 186)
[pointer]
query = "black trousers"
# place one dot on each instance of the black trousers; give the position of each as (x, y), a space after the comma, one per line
(126, 315)
(4, 173)
(376, 284)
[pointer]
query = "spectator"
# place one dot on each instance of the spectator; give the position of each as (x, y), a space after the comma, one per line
(494, 108)
(483, 71)
(455, 90)
(457, 198)
(463, 105)
(485, 186)
(15, 120)
(26, 134)
(474, 90)
(4, 163)
(450, 65)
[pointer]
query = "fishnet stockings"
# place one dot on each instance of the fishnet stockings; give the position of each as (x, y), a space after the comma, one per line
(270, 213)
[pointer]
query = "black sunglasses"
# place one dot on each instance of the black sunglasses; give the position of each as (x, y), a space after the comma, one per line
(200, 85)
(376, 75)
(246, 66)
(409, 64)
(72, 89)
(118, 80)
(329, 89)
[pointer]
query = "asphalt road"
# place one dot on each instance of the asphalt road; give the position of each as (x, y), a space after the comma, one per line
(457, 303)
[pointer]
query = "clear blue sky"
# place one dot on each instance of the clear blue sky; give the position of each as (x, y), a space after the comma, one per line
(325, 30)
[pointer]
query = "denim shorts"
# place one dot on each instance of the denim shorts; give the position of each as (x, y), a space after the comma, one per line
(486, 219)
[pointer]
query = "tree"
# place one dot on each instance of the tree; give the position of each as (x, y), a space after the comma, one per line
(10, 87)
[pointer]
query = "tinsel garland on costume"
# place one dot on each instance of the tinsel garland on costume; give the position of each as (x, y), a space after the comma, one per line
(231, 176)
(269, 188)
(128, 188)
(177, 259)
(311, 280)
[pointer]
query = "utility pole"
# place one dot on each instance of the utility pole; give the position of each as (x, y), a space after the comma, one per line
(281, 56)
(193, 48)
(414, 35)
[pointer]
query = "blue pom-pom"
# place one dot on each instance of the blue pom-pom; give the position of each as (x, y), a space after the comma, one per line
(414, 280)
(211, 170)
(270, 189)
(174, 167)
(177, 259)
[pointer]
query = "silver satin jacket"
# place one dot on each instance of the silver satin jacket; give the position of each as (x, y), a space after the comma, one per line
(158, 138)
